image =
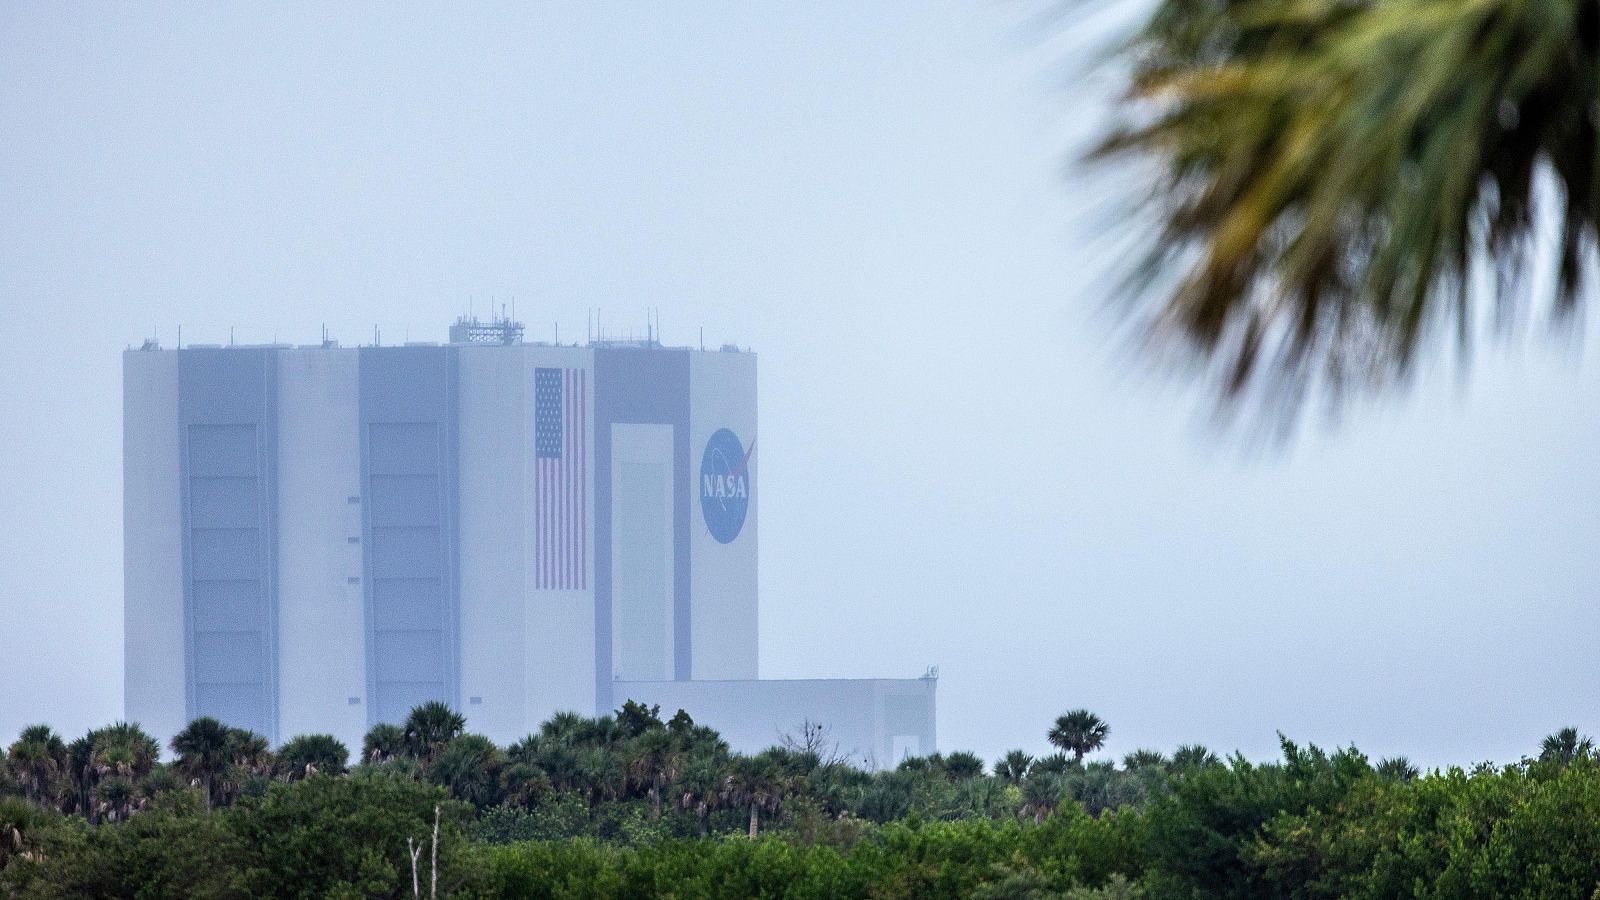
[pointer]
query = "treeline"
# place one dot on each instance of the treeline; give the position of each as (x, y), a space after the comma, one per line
(635, 805)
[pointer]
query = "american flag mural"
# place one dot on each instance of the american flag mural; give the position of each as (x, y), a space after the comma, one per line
(561, 502)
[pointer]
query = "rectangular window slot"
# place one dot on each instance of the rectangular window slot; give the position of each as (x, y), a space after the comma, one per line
(355, 701)
(352, 540)
(353, 579)
(475, 701)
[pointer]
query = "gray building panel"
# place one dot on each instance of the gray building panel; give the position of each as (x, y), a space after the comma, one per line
(409, 415)
(226, 415)
(640, 387)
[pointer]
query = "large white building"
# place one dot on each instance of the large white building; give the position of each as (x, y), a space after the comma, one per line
(319, 538)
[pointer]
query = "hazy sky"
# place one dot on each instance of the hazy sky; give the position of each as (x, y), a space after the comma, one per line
(959, 465)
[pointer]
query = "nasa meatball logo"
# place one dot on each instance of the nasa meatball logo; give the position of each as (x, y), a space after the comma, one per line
(725, 485)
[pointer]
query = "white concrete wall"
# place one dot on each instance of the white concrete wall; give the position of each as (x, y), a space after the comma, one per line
(496, 429)
(558, 626)
(152, 545)
(723, 577)
(321, 618)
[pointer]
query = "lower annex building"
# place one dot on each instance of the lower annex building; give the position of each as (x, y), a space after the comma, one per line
(318, 538)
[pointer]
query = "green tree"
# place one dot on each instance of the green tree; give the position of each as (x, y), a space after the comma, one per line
(205, 754)
(383, 742)
(469, 769)
(1043, 794)
(961, 765)
(22, 827)
(1146, 761)
(429, 727)
(251, 764)
(38, 763)
(655, 757)
(1397, 768)
(1565, 746)
(1333, 175)
(757, 784)
(636, 718)
(322, 837)
(1079, 732)
(309, 754)
(699, 788)
(1013, 767)
(1053, 764)
(1193, 756)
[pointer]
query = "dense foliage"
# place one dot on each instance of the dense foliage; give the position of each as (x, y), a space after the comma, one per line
(632, 805)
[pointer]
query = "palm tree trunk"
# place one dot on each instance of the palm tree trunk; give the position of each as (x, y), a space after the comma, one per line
(755, 820)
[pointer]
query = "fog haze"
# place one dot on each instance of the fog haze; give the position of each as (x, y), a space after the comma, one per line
(962, 465)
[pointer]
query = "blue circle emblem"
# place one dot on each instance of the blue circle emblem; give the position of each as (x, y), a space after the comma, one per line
(725, 485)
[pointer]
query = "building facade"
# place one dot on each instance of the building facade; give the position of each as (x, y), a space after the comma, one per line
(319, 538)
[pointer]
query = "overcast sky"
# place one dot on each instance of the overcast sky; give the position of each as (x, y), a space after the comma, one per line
(960, 466)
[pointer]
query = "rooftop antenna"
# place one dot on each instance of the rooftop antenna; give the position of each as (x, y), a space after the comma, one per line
(230, 335)
(376, 342)
(702, 337)
(180, 337)
(558, 334)
(588, 324)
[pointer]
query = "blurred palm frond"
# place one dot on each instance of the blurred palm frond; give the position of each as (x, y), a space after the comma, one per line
(1338, 181)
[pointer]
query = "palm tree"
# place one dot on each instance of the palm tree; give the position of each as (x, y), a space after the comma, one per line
(21, 823)
(757, 783)
(1079, 732)
(429, 727)
(699, 787)
(38, 761)
(469, 768)
(115, 798)
(1042, 794)
(205, 752)
(1145, 761)
(1337, 176)
(383, 742)
(1054, 764)
(1397, 768)
(563, 726)
(655, 760)
(598, 773)
(1193, 756)
(524, 784)
(250, 767)
(1565, 746)
(1013, 767)
(961, 765)
(121, 750)
(311, 754)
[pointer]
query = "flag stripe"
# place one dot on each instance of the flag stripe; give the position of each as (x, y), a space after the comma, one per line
(561, 502)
